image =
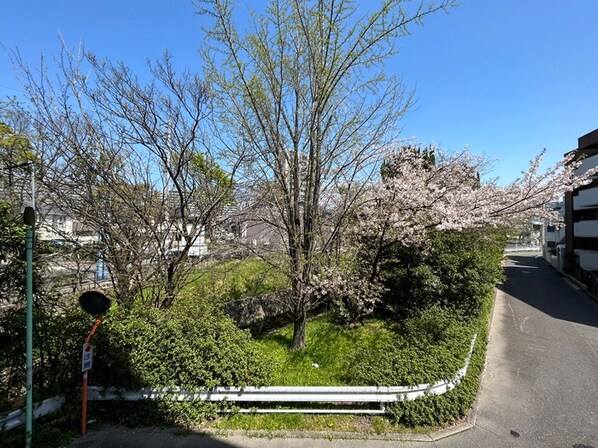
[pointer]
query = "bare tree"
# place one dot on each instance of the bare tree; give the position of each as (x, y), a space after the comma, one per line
(130, 160)
(16, 158)
(305, 96)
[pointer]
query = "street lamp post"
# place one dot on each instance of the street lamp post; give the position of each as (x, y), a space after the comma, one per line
(29, 220)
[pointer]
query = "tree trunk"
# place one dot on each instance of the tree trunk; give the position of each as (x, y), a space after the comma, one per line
(299, 331)
(169, 287)
(122, 287)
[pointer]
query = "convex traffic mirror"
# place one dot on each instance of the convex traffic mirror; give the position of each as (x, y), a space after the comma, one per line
(94, 302)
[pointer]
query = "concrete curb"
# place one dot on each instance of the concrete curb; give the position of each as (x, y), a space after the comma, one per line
(337, 435)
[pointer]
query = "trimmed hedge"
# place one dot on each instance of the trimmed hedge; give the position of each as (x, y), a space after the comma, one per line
(429, 347)
(456, 403)
(191, 345)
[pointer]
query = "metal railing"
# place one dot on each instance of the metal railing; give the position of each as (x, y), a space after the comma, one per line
(272, 394)
(381, 395)
(18, 417)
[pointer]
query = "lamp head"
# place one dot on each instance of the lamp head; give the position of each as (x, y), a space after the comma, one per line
(29, 216)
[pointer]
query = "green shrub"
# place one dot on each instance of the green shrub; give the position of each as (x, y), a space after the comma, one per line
(439, 409)
(429, 347)
(191, 345)
(57, 341)
(451, 269)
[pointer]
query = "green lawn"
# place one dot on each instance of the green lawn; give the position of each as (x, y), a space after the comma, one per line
(332, 346)
(233, 279)
(375, 353)
(306, 422)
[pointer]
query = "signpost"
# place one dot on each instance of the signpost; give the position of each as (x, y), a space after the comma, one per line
(87, 358)
(96, 304)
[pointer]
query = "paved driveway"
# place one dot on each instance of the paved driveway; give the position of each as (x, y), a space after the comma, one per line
(540, 388)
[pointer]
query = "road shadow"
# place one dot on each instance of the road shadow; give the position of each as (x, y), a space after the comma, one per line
(123, 437)
(531, 280)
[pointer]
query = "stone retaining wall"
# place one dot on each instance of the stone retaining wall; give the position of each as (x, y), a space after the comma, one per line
(260, 313)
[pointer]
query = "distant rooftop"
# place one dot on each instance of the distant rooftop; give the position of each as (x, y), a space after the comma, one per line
(587, 144)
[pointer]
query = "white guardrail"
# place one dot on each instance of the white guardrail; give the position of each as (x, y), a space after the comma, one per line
(344, 395)
(293, 394)
(17, 418)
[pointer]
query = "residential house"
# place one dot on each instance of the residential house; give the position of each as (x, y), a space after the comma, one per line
(55, 224)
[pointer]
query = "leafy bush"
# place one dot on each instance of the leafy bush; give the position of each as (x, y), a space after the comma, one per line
(429, 347)
(190, 345)
(57, 339)
(441, 290)
(452, 269)
(439, 409)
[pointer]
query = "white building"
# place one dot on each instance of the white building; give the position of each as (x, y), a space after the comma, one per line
(553, 239)
(55, 224)
(581, 213)
(177, 243)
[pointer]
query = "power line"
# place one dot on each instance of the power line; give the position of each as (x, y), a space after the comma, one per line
(11, 88)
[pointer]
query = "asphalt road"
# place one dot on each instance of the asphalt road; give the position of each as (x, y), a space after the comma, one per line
(540, 387)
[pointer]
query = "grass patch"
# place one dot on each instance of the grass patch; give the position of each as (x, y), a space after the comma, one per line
(428, 347)
(376, 353)
(330, 346)
(321, 423)
(234, 279)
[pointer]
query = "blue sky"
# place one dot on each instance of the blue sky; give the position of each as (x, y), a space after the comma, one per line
(505, 77)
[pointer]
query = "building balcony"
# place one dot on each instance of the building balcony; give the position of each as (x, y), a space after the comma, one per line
(587, 164)
(586, 199)
(588, 259)
(585, 229)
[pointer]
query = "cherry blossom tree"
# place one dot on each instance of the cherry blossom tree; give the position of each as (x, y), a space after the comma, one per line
(421, 190)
